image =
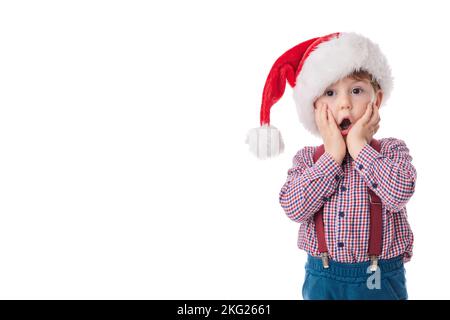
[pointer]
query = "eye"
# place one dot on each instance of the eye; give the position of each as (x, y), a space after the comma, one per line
(328, 93)
(357, 90)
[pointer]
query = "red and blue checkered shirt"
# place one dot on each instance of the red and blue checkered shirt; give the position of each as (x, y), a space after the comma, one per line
(342, 191)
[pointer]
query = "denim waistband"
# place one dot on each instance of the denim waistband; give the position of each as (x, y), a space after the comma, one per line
(352, 270)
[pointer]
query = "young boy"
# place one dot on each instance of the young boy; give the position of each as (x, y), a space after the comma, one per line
(349, 194)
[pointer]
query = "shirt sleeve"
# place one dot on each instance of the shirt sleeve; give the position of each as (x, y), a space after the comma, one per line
(309, 185)
(389, 174)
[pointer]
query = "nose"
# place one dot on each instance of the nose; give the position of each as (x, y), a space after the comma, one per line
(344, 102)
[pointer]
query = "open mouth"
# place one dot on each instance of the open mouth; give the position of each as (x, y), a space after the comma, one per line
(345, 124)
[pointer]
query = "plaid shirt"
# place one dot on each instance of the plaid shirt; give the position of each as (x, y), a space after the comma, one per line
(342, 190)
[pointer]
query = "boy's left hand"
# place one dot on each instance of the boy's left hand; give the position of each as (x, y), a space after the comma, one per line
(363, 130)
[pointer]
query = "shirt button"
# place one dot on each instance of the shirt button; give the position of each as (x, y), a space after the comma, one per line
(343, 188)
(361, 167)
(337, 177)
(325, 199)
(374, 185)
(341, 214)
(340, 244)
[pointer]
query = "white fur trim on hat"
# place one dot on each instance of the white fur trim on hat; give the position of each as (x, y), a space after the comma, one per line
(333, 60)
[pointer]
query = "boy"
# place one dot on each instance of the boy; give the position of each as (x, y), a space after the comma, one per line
(349, 194)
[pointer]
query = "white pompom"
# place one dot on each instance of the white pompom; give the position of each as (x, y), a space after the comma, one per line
(265, 142)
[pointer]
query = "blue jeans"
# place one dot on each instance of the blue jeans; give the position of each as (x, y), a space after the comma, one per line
(354, 281)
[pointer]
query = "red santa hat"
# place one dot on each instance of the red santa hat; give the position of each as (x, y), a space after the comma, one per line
(309, 68)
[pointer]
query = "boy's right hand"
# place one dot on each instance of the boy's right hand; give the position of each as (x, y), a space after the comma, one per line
(332, 138)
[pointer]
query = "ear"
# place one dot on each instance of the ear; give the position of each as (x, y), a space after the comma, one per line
(379, 98)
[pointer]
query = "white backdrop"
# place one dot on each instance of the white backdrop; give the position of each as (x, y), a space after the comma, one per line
(123, 168)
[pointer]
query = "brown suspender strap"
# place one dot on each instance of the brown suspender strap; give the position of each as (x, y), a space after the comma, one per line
(318, 217)
(376, 222)
(375, 238)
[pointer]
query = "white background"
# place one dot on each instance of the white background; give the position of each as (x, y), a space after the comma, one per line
(123, 168)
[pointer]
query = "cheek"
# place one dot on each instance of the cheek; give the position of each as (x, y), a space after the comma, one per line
(361, 110)
(330, 107)
(359, 115)
(321, 100)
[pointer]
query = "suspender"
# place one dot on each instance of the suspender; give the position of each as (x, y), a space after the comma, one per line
(375, 233)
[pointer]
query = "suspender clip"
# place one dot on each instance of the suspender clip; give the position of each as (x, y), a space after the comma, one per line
(325, 260)
(373, 263)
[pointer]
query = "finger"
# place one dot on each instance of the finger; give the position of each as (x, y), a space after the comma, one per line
(316, 114)
(375, 129)
(372, 118)
(375, 116)
(323, 114)
(368, 114)
(331, 120)
(319, 116)
(378, 113)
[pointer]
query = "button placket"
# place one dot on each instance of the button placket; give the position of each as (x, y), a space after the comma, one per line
(339, 220)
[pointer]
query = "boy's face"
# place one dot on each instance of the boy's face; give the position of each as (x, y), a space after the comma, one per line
(349, 98)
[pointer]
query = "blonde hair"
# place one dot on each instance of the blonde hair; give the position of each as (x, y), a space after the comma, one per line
(363, 74)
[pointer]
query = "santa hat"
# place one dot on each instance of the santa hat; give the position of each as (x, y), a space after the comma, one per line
(310, 67)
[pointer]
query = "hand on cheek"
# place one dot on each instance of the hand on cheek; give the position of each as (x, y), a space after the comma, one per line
(333, 141)
(363, 130)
